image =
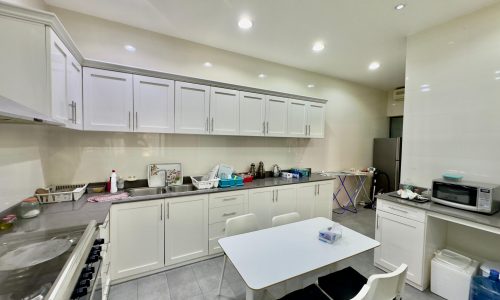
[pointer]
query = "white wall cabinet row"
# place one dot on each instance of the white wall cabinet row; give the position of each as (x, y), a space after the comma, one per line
(150, 235)
(117, 101)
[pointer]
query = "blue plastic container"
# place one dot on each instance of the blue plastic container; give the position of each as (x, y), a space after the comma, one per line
(485, 288)
(235, 181)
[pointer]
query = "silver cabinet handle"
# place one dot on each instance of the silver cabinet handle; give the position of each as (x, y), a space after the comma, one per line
(397, 209)
(229, 214)
(137, 120)
(277, 193)
(273, 195)
(74, 106)
(129, 120)
(168, 210)
(318, 189)
(229, 199)
(72, 112)
(267, 127)
(306, 130)
(377, 222)
(263, 127)
(161, 212)
(206, 125)
(212, 124)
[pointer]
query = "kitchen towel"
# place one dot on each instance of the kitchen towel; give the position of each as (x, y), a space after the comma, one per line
(108, 197)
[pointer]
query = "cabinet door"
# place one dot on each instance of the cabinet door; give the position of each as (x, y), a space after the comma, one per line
(276, 116)
(297, 118)
(191, 108)
(75, 94)
(153, 104)
(186, 228)
(224, 111)
(316, 120)
(260, 203)
(323, 204)
(108, 100)
(23, 64)
(285, 200)
(252, 114)
(306, 195)
(137, 238)
(402, 241)
(59, 62)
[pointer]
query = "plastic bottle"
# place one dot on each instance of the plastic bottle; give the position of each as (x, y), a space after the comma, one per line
(114, 187)
(485, 288)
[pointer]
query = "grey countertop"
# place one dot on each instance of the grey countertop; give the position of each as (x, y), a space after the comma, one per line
(77, 214)
(489, 220)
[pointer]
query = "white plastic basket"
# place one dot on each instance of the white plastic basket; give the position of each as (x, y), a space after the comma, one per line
(201, 184)
(62, 193)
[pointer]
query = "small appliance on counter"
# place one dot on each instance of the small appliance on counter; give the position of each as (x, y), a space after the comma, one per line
(276, 170)
(261, 173)
(467, 195)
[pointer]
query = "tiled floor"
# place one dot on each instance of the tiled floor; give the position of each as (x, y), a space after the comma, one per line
(199, 281)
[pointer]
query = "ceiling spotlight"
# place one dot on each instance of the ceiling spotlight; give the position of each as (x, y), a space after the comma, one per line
(262, 75)
(129, 48)
(207, 64)
(400, 6)
(374, 66)
(318, 47)
(245, 23)
(310, 85)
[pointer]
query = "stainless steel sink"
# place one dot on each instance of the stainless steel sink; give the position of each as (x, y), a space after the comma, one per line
(180, 188)
(146, 191)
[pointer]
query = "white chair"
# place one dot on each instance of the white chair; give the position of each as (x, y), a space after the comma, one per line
(234, 226)
(384, 286)
(285, 219)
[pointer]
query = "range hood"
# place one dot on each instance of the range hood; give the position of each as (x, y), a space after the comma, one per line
(13, 112)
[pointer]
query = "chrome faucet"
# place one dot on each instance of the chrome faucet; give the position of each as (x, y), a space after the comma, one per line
(165, 177)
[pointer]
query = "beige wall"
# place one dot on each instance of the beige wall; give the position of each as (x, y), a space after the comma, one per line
(355, 114)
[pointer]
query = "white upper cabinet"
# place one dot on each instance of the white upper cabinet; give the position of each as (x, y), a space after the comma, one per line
(252, 114)
(297, 118)
(224, 111)
(59, 60)
(23, 63)
(153, 104)
(75, 94)
(66, 84)
(108, 98)
(192, 102)
(276, 116)
(316, 120)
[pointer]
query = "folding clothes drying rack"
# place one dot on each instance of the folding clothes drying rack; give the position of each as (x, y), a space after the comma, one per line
(353, 193)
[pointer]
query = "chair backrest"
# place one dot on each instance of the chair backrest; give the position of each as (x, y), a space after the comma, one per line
(285, 219)
(241, 224)
(384, 286)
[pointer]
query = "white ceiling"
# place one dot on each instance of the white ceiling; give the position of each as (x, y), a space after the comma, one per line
(355, 32)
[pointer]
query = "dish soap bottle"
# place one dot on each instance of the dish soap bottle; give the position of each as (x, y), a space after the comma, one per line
(114, 188)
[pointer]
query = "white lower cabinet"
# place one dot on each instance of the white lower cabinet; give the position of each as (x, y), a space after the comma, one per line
(315, 199)
(401, 233)
(186, 228)
(306, 194)
(223, 206)
(137, 238)
(266, 203)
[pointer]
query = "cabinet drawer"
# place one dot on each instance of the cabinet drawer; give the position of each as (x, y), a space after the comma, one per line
(217, 230)
(213, 246)
(226, 199)
(401, 210)
(221, 214)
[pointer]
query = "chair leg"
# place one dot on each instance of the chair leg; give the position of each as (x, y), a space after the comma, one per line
(222, 274)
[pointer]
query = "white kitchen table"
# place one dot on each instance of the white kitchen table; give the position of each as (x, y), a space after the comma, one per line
(270, 256)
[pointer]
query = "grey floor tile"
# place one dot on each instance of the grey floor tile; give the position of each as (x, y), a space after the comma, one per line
(226, 293)
(182, 283)
(124, 291)
(153, 287)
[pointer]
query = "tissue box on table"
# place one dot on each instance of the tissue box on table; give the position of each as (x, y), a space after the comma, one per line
(330, 234)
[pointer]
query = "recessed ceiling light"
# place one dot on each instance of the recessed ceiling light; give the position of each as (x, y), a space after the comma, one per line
(318, 47)
(374, 66)
(425, 87)
(310, 85)
(245, 23)
(207, 64)
(400, 6)
(262, 75)
(129, 48)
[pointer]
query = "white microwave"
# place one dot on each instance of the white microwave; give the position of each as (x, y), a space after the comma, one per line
(473, 196)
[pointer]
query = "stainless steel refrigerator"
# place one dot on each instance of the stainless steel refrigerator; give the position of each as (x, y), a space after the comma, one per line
(387, 159)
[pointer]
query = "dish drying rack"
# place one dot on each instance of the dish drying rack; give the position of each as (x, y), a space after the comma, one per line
(62, 193)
